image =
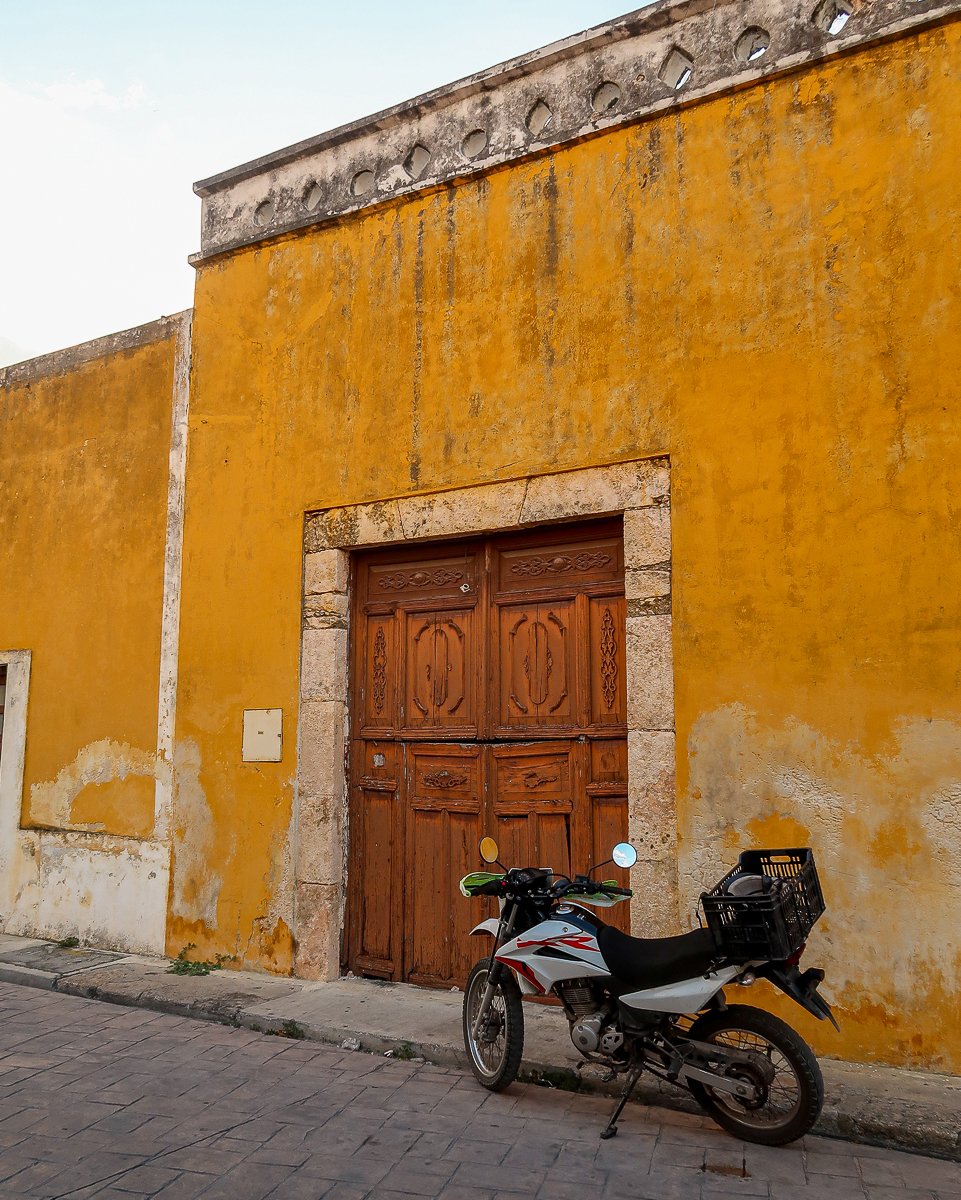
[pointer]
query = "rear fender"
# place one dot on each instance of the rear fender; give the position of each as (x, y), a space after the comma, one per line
(802, 988)
(489, 926)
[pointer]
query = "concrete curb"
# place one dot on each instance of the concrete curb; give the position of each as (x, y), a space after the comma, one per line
(27, 976)
(861, 1104)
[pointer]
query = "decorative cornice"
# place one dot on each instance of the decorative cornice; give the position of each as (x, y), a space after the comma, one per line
(669, 54)
(62, 361)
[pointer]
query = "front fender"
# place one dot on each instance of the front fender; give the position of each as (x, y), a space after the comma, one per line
(489, 926)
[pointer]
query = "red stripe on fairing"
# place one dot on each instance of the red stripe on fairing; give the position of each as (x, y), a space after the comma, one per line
(578, 941)
(583, 941)
(522, 969)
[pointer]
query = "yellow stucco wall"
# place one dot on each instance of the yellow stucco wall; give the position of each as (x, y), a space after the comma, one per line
(760, 286)
(83, 459)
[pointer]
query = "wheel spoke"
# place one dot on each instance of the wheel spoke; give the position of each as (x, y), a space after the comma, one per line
(781, 1096)
(488, 1051)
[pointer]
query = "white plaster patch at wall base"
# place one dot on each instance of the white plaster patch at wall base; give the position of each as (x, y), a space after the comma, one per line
(114, 894)
(638, 490)
(108, 891)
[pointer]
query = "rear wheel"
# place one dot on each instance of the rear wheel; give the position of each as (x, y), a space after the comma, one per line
(495, 1052)
(787, 1078)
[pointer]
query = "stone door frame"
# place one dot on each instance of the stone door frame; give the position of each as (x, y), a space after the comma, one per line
(640, 492)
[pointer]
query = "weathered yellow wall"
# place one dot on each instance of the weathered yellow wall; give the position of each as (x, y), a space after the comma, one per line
(762, 286)
(84, 462)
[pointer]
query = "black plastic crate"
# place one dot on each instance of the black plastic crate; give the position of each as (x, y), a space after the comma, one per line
(771, 925)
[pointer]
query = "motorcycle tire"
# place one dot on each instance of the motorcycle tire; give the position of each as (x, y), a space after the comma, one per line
(792, 1101)
(495, 1057)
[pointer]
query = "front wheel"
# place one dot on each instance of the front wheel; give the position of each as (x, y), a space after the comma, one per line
(790, 1090)
(495, 1053)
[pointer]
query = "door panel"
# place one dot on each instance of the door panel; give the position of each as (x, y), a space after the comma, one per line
(488, 683)
(445, 788)
(537, 667)
(532, 803)
(606, 801)
(412, 580)
(568, 565)
(441, 677)
(608, 674)
(376, 835)
(378, 696)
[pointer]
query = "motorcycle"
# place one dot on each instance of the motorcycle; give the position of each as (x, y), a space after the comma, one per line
(657, 1004)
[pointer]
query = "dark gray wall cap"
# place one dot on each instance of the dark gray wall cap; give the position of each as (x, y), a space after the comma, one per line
(60, 362)
(673, 53)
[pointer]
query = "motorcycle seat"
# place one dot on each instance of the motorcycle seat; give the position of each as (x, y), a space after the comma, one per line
(651, 962)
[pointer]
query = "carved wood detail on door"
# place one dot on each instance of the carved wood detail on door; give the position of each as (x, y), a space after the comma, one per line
(488, 695)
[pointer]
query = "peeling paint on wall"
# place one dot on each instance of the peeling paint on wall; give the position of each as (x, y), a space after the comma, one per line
(52, 801)
(886, 832)
(196, 856)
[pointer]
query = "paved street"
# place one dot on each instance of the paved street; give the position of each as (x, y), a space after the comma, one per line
(98, 1100)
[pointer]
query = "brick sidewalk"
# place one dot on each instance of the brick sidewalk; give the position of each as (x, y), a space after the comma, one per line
(97, 1100)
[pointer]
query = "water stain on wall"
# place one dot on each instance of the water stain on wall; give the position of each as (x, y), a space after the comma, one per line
(886, 831)
(196, 880)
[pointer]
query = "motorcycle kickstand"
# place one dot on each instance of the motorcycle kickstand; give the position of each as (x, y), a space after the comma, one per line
(629, 1087)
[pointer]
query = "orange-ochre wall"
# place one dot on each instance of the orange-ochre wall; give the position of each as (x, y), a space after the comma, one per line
(764, 287)
(83, 513)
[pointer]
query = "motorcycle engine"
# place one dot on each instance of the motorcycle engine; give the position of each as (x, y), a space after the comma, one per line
(596, 1032)
(586, 1032)
(592, 1030)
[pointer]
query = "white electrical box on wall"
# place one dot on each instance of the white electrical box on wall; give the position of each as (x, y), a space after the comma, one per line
(263, 734)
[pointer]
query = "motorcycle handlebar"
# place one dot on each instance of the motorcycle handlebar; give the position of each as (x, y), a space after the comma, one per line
(584, 886)
(526, 880)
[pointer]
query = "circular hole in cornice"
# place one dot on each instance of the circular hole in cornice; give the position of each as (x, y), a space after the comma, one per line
(677, 69)
(474, 144)
(831, 16)
(363, 183)
(416, 162)
(313, 194)
(753, 44)
(264, 212)
(606, 97)
(539, 118)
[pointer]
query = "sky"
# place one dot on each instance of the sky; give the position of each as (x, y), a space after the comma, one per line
(111, 109)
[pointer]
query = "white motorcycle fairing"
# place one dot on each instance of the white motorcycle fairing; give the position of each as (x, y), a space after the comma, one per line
(552, 951)
(556, 950)
(687, 996)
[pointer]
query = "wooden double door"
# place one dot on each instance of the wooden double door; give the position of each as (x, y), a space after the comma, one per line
(488, 696)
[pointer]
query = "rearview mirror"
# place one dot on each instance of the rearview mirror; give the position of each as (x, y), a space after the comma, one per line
(623, 854)
(488, 850)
